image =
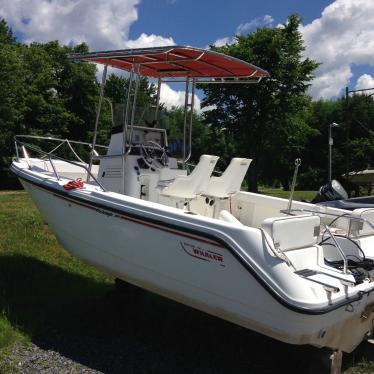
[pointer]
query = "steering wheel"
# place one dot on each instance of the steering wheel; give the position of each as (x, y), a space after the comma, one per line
(149, 156)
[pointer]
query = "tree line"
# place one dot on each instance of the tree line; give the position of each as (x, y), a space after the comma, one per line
(42, 92)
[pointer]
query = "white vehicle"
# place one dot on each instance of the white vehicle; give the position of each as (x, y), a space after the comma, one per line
(288, 272)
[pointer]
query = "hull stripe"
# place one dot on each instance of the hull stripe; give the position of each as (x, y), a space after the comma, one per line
(141, 222)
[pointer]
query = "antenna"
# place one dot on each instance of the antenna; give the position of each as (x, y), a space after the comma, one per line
(297, 164)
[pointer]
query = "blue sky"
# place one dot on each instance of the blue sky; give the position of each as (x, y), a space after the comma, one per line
(338, 33)
(199, 22)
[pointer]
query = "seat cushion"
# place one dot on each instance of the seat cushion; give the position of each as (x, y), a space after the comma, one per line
(293, 232)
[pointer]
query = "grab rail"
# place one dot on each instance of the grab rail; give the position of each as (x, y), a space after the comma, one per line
(328, 229)
(339, 248)
(280, 254)
(17, 137)
(52, 156)
(349, 217)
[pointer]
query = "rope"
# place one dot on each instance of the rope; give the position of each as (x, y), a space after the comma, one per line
(78, 183)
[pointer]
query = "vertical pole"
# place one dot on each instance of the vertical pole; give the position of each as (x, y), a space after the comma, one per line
(297, 165)
(329, 162)
(137, 81)
(347, 125)
(126, 119)
(17, 154)
(158, 98)
(135, 74)
(103, 80)
(185, 121)
(53, 167)
(124, 129)
(191, 119)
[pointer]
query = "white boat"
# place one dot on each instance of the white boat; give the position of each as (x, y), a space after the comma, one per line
(283, 271)
(365, 177)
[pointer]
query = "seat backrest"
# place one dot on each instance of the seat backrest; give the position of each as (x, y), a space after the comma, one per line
(195, 183)
(293, 232)
(231, 180)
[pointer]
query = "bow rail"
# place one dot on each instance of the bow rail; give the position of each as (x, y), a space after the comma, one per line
(18, 143)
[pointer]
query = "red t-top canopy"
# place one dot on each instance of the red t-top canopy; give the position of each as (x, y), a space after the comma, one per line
(175, 61)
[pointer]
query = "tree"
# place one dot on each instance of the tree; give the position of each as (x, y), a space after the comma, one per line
(6, 35)
(360, 120)
(116, 90)
(267, 120)
(361, 145)
(12, 92)
(201, 142)
(315, 154)
(42, 92)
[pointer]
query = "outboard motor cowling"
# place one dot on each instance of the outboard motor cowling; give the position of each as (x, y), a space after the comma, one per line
(330, 192)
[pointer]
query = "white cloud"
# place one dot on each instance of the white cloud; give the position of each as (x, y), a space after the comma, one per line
(104, 25)
(171, 98)
(245, 27)
(253, 24)
(152, 40)
(223, 41)
(208, 108)
(365, 81)
(341, 37)
(330, 80)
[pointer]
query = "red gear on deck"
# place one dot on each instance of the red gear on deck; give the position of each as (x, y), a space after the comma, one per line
(78, 183)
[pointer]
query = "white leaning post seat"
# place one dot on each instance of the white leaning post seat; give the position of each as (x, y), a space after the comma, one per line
(188, 187)
(282, 230)
(230, 181)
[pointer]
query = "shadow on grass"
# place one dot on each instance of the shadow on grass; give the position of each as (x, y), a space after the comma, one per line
(133, 331)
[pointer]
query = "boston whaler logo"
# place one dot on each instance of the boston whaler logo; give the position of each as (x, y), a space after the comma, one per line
(203, 254)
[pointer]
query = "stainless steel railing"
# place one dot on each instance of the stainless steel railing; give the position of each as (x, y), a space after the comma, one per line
(349, 217)
(50, 155)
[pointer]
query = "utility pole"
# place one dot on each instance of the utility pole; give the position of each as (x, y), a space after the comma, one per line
(331, 142)
(347, 131)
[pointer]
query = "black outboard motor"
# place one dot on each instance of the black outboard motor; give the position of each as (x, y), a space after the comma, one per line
(334, 195)
(330, 192)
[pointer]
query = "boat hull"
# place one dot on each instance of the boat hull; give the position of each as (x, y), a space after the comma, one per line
(193, 269)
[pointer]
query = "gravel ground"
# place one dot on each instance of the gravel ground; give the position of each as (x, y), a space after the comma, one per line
(30, 359)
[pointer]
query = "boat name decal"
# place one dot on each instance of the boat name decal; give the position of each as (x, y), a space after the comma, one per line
(203, 254)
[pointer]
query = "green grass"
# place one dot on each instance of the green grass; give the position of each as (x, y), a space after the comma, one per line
(38, 279)
(56, 301)
(8, 333)
(362, 367)
(298, 195)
